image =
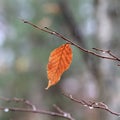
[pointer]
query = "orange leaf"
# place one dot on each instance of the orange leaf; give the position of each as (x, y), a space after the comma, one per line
(59, 61)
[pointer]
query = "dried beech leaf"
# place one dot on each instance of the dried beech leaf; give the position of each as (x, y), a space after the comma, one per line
(59, 61)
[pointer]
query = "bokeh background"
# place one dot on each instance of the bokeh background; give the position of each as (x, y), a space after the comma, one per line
(24, 53)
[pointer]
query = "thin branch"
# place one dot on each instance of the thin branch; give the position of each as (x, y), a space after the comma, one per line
(32, 111)
(19, 100)
(65, 115)
(108, 52)
(91, 104)
(50, 31)
(58, 109)
(60, 112)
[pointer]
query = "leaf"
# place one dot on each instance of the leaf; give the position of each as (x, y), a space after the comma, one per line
(59, 61)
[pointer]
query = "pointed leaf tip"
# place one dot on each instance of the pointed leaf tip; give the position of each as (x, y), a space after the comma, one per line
(49, 85)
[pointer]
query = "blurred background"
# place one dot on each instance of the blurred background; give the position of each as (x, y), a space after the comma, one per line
(24, 53)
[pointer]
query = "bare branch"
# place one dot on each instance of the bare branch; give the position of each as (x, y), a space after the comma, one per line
(91, 104)
(108, 52)
(19, 100)
(50, 31)
(60, 112)
(58, 109)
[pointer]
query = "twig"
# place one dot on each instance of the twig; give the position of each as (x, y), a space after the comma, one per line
(108, 52)
(20, 100)
(91, 104)
(60, 112)
(50, 31)
(58, 109)
(65, 115)
(32, 111)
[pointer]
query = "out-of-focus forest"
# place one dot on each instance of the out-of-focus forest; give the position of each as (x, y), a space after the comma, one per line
(24, 53)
